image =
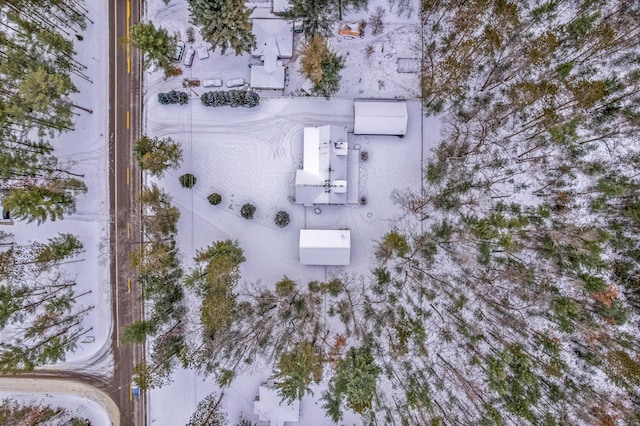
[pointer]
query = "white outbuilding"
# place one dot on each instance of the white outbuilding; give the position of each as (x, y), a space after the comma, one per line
(325, 247)
(380, 117)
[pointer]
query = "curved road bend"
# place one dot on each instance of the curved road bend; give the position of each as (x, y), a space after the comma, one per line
(57, 386)
(124, 182)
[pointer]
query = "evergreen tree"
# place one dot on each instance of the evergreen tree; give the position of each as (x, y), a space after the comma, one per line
(297, 369)
(214, 280)
(321, 66)
(51, 201)
(156, 155)
(224, 24)
(214, 199)
(282, 219)
(247, 211)
(58, 248)
(188, 180)
(355, 380)
(156, 44)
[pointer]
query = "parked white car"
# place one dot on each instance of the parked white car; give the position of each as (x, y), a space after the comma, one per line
(188, 57)
(179, 51)
(216, 82)
(236, 82)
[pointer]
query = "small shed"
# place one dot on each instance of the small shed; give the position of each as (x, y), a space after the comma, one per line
(271, 408)
(380, 117)
(325, 247)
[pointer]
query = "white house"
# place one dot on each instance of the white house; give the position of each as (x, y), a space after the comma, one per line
(384, 117)
(273, 36)
(325, 247)
(323, 177)
(274, 41)
(269, 407)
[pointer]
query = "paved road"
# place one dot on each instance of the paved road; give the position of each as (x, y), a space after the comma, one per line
(124, 183)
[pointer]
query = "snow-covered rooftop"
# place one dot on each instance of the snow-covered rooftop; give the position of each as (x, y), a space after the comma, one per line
(323, 177)
(380, 117)
(265, 78)
(273, 36)
(325, 247)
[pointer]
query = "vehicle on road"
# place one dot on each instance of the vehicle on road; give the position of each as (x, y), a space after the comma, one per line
(188, 57)
(235, 82)
(135, 390)
(215, 82)
(179, 51)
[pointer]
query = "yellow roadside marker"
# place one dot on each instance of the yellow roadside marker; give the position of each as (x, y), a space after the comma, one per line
(128, 230)
(128, 119)
(128, 174)
(129, 285)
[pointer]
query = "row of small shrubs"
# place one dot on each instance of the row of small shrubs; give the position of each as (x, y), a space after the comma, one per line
(173, 97)
(247, 211)
(232, 98)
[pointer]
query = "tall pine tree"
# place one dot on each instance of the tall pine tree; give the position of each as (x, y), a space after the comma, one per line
(224, 24)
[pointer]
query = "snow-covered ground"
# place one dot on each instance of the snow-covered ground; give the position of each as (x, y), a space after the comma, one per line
(79, 399)
(250, 156)
(86, 149)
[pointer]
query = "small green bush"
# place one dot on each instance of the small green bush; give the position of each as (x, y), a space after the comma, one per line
(214, 199)
(282, 219)
(188, 180)
(247, 211)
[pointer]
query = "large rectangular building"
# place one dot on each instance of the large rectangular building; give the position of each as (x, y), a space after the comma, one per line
(380, 117)
(325, 247)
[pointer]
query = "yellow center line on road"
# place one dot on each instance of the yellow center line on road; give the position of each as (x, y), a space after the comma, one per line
(128, 119)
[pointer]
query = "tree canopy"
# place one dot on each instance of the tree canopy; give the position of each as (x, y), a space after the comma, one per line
(156, 44)
(321, 66)
(225, 24)
(157, 154)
